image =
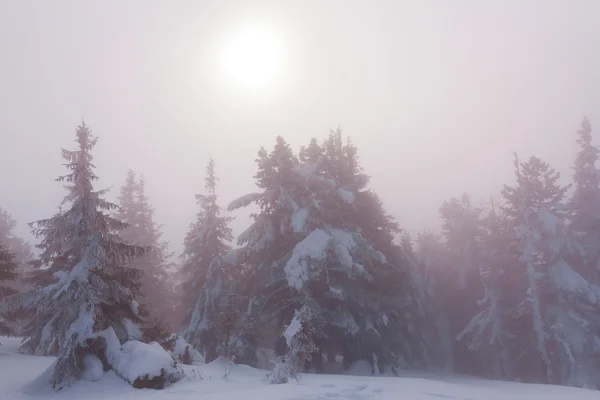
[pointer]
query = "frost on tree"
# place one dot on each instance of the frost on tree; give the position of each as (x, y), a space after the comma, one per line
(549, 320)
(86, 285)
(299, 338)
(135, 211)
(322, 238)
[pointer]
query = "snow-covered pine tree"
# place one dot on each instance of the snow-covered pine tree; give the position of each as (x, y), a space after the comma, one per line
(270, 237)
(585, 201)
(8, 273)
(534, 200)
(488, 332)
(157, 292)
(128, 210)
(19, 248)
(559, 306)
(322, 239)
(135, 211)
(87, 286)
(584, 258)
(206, 275)
(22, 256)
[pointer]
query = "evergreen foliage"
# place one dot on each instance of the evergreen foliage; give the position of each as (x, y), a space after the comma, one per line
(135, 211)
(87, 285)
(506, 290)
(8, 272)
(209, 278)
(322, 240)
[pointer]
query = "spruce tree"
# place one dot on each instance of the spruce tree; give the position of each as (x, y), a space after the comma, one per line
(488, 334)
(208, 278)
(135, 210)
(21, 255)
(585, 201)
(19, 248)
(322, 240)
(558, 306)
(8, 273)
(87, 285)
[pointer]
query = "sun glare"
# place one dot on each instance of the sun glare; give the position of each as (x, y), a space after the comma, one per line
(253, 57)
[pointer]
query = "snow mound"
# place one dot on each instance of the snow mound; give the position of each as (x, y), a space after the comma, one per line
(93, 368)
(245, 382)
(146, 365)
(181, 346)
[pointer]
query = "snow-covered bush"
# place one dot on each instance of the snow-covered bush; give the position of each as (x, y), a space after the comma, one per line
(281, 373)
(185, 353)
(300, 347)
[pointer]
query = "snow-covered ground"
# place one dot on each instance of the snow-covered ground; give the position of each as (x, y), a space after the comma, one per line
(207, 382)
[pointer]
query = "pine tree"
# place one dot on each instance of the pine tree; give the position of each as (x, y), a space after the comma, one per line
(585, 201)
(87, 286)
(19, 248)
(135, 210)
(556, 319)
(21, 255)
(322, 240)
(207, 275)
(488, 332)
(128, 210)
(8, 273)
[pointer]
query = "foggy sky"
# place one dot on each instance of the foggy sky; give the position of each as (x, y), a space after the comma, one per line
(435, 94)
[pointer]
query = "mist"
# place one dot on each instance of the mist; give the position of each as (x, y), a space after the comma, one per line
(435, 96)
(391, 188)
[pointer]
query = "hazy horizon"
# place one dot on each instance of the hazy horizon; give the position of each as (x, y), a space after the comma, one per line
(436, 96)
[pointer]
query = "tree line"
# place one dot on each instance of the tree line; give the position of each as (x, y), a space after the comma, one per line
(508, 290)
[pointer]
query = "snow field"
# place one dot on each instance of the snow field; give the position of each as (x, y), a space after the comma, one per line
(208, 382)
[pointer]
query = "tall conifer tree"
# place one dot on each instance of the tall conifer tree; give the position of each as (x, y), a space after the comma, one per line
(8, 273)
(208, 279)
(87, 286)
(135, 210)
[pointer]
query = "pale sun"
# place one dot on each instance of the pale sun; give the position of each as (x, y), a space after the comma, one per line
(253, 57)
